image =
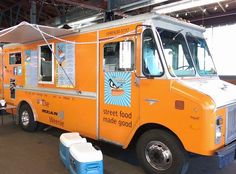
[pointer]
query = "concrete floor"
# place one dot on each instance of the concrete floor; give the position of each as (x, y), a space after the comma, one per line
(26, 153)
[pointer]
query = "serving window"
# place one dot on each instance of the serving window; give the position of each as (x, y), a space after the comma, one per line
(15, 58)
(46, 63)
(119, 56)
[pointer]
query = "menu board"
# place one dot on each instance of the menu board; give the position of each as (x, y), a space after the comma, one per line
(31, 69)
(65, 66)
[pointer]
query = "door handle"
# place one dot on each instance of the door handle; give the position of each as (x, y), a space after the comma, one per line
(151, 101)
(137, 81)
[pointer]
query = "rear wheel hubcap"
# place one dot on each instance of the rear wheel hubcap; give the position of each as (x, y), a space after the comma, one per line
(25, 118)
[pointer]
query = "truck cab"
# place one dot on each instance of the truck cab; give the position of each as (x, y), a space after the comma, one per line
(184, 106)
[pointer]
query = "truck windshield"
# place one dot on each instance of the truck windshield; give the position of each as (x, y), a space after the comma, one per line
(176, 53)
(201, 55)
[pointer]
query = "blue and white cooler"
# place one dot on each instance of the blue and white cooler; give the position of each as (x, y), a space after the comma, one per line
(85, 159)
(67, 140)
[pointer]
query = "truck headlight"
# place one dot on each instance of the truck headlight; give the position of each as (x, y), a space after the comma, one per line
(218, 130)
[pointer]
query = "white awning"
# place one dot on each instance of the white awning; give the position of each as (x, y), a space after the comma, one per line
(25, 32)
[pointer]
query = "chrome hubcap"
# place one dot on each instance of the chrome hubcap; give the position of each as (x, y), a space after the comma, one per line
(158, 155)
(25, 118)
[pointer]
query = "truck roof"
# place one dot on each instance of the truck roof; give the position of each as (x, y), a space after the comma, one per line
(142, 19)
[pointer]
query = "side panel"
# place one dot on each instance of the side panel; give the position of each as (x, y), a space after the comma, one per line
(64, 112)
(72, 109)
(182, 110)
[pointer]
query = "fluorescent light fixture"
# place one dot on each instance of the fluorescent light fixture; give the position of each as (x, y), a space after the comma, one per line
(84, 22)
(183, 5)
(140, 4)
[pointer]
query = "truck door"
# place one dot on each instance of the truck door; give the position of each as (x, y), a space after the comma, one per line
(119, 94)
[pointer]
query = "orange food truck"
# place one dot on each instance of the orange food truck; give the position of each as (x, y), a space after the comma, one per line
(146, 79)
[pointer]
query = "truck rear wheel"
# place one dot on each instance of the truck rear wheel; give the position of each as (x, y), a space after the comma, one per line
(159, 152)
(27, 121)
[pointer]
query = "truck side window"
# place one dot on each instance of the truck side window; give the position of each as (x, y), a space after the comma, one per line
(46, 63)
(151, 60)
(119, 56)
(14, 58)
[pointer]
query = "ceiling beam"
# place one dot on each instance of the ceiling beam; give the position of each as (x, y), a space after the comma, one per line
(74, 15)
(56, 8)
(183, 5)
(228, 17)
(221, 6)
(139, 4)
(93, 6)
(10, 15)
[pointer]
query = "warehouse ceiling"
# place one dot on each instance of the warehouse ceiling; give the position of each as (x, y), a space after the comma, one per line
(60, 12)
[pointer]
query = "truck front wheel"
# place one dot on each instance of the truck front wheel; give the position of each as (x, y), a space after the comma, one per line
(159, 152)
(26, 116)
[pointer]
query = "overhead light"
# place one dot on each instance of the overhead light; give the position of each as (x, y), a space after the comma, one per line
(215, 8)
(183, 5)
(140, 4)
(83, 21)
(186, 14)
(177, 15)
(226, 5)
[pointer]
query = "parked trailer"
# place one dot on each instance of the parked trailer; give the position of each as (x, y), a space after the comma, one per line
(147, 79)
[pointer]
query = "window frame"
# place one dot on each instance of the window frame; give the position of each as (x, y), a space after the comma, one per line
(39, 64)
(158, 52)
(132, 57)
(197, 65)
(15, 63)
(187, 47)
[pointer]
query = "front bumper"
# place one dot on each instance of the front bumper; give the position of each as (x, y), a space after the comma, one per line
(226, 155)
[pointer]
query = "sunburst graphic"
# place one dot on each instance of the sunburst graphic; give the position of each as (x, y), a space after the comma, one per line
(118, 88)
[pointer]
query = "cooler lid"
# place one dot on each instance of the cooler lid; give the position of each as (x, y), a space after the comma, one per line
(67, 139)
(85, 152)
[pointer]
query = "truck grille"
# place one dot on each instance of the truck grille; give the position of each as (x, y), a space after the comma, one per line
(231, 124)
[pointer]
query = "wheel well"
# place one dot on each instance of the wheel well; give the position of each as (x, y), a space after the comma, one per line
(146, 127)
(20, 104)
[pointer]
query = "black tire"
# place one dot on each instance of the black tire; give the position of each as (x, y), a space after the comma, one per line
(27, 121)
(160, 152)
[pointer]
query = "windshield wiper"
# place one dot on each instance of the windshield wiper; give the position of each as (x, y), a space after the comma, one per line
(178, 32)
